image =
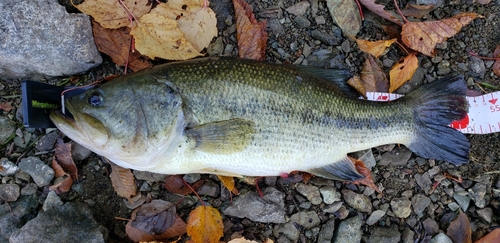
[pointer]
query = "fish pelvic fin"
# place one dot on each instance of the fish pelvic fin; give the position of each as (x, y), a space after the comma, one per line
(222, 137)
(435, 106)
(343, 170)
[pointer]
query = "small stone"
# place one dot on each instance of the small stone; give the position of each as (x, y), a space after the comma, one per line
(51, 201)
(424, 181)
(326, 233)
(330, 195)
(401, 207)
(453, 206)
(430, 226)
(476, 66)
(306, 51)
(7, 127)
(485, 214)
(46, 142)
(41, 173)
(342, 213)
(302, 21)
(443, 67)
(385, 234)
(408, 235)
(307, 220)
(29, 189)
(8, 168)
(78, 152)
(346, 47)
(349, 231)
(407, 193)
(289, 230)
(216, 48)
(325, 38)
(148, 176)
(299, 8)
(332, 208)
(267, 209)
(359, 202)
(375, 217)
(311, 192)
(320, 20)
(270, 180)
(463, 201)
(209, 188)
(136, 201)
(477, 193)
(145, 187)
(13, 215)
(420, 203)
(397, 157)
(23, 176)
(387, 62)
(441, 238)
(9, 192)
(192, 178)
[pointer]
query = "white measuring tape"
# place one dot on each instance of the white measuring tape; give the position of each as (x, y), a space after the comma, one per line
(483, 116)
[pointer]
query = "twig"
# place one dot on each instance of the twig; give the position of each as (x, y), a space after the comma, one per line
(484, 58)
(360, 10)
(120, 218)
(493, 172)
(399, 11)
(403, 47)
(481, 88)
(199, 198)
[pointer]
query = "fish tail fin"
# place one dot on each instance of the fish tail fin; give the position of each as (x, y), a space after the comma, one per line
(435, 107)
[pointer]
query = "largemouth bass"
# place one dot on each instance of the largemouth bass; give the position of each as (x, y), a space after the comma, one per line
(240, 117)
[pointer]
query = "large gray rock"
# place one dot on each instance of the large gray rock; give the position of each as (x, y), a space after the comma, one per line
(39, 38)
(7, 126)
(15, 214)
(349, 231)
(41, 173)
(267, 209)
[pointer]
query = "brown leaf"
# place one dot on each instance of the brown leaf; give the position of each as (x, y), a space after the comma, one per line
(111, 14)
(402, 71)
(64, 158)
(459, 230)
(496, 65)
(368, 180)
(205, 225)
(116, 44)
(372, 78)
(379, 10)
(417, 11)
(228, 182)
(155, 221)
(241, 240)
(251, 34)
(423, 36)
(356, 82)
(123, 181)
(492, 237)
(375, 48)
(175, 184)
(346, 15)
(64, 184)
(6, 106)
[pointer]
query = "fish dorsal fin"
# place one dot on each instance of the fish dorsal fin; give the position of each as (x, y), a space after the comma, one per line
(222, 137)
(338, 77)
(343, 170)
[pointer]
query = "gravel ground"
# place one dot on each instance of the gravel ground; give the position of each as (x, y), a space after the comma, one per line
(418, 200)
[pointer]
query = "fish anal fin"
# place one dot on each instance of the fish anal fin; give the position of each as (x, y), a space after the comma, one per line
(343, 170)
(222, 137)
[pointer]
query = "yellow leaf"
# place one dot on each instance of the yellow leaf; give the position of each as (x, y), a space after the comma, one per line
(402, 71)
(228, 182)
(111, 14)
(375, 48)
(205, 225)
(157, 35)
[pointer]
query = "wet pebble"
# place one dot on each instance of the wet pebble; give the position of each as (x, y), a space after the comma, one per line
(420, 203)
(9, 192)
(359, 202)
(8, 168)
(401, 207)
(311, 192)
(41, 173)
(349, 231)
(385, 234)
(477, 193)
(441, 238)
(485, 214)
(330, 195)
(375, 217)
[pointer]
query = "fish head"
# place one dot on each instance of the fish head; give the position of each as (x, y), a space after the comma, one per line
(129, 120)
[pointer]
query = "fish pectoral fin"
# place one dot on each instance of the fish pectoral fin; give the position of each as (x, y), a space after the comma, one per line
(343, 170)
(222, 137)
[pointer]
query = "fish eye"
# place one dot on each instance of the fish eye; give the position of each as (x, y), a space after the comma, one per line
(95, 99)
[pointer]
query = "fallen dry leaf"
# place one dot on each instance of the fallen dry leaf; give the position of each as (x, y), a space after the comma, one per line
(459, 230)
(241, 240)
(205, 225)
(157, 35)
(123, 181)
(63, 156)
(417, 11)
(155, 221)
(492, 237)
(484, 1)
(6, 106)
(423, 36)
(64, 179)
(111, 14)
(496, 65)
(356, 82)
(228, 182)
(402, 71)
(346, 15)
(175, 184)
(372, 78)
(251, 34)
(379, 10)
(368, 180)
(116, 44)
(375, 48)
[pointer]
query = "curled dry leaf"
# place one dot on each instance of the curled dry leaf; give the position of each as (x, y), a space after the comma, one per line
(423, 36)
(116, 44)
(368, 180)
(375, 48)
(459, 230)
(205, 225)
(123, 181)
(492, 237)
(356, 82)
(228, 182)
(251, 34)
(155, 221)
(402, 71)
(175, 184)
(372, 78)
(380, 11)
(111, 14)
(64, 158)
(64, 180)
(417, 11)
(496, 65)
(346, 15)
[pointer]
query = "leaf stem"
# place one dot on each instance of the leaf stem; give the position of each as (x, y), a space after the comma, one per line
(484, 58)
(403, 47)
(399, 11)
(360, 10)
(199, 198)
